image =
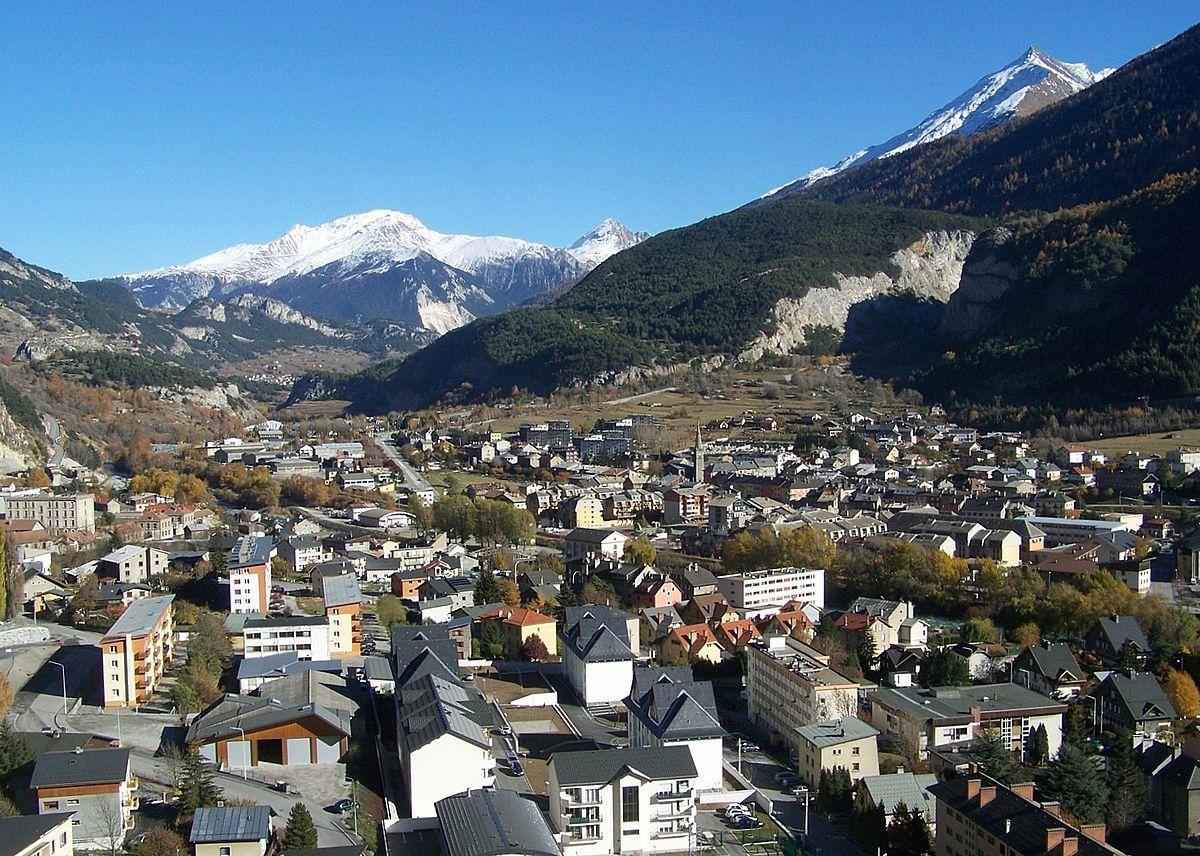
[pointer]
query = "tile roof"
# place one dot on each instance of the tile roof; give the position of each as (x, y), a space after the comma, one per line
(601, 766)
(231, 823)
(141, 616)
(90, 767)
(493, 823)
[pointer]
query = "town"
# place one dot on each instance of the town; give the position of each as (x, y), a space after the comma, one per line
(835, 632)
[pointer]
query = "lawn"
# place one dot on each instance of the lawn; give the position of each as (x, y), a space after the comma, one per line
(1155, 444)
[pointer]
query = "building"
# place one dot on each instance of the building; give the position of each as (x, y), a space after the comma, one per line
(942, 717)
(305, 718)
(304, 551)
(893, 789)
(58, 514)
(667, 707)
(1133, 701)
(1112, 635)
(886, 623)
(632, 801)
(594, 545)
(307, 636)
(493, 823)
(978, 816)
(848, 742)
(445, 747)
(231, 830)
(137, 650)
(250, 574)
(517, 625)
(789, 684)
(94, 784)
(343, 610)
(773, 587)
(133, 563)
(39, 834)
(597, 653)
(254, 672)
(1049, 668)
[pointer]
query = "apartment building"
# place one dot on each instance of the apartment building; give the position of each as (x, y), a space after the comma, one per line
(637, 800)
(668, 707)
(848, 742)
(133, 563)
(97, 786)
(978, 816)
(137, 650)
(59, 514)
(773, 587)
(305, 635)
(304, 551)
(250, 574)
(596, 643)
(343, 611)
(39, 834)
(517, 625)
(789, 684)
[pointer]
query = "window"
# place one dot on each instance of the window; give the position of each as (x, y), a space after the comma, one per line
(112, 649)
(74, 822)
(50, 805)
(72, 802)
(629, 804)
(225, 851)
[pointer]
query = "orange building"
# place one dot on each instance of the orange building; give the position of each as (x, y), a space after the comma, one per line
(137, 651)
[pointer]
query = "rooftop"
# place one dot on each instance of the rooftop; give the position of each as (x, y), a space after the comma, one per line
(601, 766)
(493, 823)
(140, 617)
(834, 733)
(89, 767)
(17, 833)
(231, 823)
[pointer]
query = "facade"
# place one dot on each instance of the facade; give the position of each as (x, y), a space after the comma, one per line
(978, 816)
(96, 785)
(305, 635)
(848, 742)
(789, 684)
(596, 545)
(250, 574)
(303, 551)
(343, 611)
(133, 563)
(773, 587)
(632, 801)
(667, 707)
(1133, 701)
(231, 831)
(925, 719)
(137, 650)
(39, 834)
(59, 514)
(597, 656)
(517, 625)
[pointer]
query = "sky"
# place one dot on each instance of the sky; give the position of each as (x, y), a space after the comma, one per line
(137, 136)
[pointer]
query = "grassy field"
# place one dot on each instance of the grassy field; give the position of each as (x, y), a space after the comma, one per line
(1154, 444)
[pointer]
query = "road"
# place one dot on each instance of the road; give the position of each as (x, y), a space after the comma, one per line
(412, 480)
(54, 432)
(629, 399)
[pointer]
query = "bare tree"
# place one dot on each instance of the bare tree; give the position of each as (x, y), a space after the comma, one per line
(110, 824)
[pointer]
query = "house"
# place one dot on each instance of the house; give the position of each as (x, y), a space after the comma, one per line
(120, 595)
(593, 546)
(668, 707)
(1175, 796)
(231, 830)
(735, 635)
(597, 654)
(893, 789)
(304, 551)
(773, 587)
(689, 643)
(790, 684)
(1133, 701)
(983, 659)
(925, 719)
(886, 623)
(654, 624)
(43, 592)
(132, 563)
(39, 834)
(305, 718)
(493, 823)
(848, 742)
(306, 636)
(252, 673)
(458, 590)
(899, 667)
(96, 785)
(637, 800)
(1049, 668)
(445, 747)
(137, 651)
(695, 580)
(978, 816)
(656, 592)
(517, 626)
(1109, 637)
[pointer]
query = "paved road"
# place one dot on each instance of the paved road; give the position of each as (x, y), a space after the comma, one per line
(632, 398)
(54, 432)
(412, 480)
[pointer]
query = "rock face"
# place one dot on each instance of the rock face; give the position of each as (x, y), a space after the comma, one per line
(985, 279)
(929, 270)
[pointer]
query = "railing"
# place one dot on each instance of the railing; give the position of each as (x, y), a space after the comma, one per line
(569, 800)
(132, 783)
(672, 796)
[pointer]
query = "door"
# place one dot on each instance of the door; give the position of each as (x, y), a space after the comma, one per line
(238, 753)
(329, 750)
(299, 750)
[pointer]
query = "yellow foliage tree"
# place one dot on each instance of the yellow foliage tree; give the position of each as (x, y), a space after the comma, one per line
(1182, 692)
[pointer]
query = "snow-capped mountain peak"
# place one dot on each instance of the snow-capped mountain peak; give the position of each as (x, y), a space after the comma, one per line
(607, 239)
(1027, 84)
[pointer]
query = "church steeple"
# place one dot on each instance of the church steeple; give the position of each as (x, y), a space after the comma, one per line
(699, 462)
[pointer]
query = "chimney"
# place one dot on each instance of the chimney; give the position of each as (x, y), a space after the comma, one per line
(1023, 789)
(1070, 847)
(1054, 837)
(986, 795)
(1054, 808)
(972, 788)
(1098, 832)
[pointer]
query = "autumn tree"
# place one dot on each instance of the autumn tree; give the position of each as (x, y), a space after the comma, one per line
(640, 551)
(1182, 692)
(534, 649)
(1027, 635)
(160, 841)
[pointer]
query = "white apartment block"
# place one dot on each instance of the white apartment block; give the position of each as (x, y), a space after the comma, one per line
(789, 684)
(250, 574)
(636, 800)
(306, 635)
(773, 587)
(68, 513)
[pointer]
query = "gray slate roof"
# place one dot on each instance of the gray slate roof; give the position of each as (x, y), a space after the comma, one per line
(597, 634)
(493, 823)
(341, 590)
(231, 823)
(1053, 659)
(1121, 629)
(1142, 695)
(956, 702)
(431, 707)
(251, 550)
(836, 732)
(90, 767)
(327, 697)
(18, 833)
(601, 766)
(139, 618)
(283, 664)
(673, 706)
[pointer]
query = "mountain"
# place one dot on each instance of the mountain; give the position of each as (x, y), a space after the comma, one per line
(1045, 230)
(607, 239)
(1024, 86)
(380, 264)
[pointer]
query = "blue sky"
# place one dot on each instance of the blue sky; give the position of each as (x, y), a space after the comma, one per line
(142, 135)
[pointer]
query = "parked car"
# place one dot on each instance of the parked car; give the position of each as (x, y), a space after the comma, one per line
(786, 777)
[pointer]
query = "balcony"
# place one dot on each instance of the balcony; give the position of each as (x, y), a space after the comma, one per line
(130, 802)
(671, 796)
(132, 783)
(583, 800)
(674, 813)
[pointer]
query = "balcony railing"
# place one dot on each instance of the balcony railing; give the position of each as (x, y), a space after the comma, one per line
(569, 800)
(672, 796)
(132, 783)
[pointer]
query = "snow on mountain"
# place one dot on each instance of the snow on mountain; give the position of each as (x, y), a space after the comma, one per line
(607, 239)
(1022, 87)
(490, 273)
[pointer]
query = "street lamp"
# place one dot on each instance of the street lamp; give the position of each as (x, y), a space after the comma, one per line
(804, 791)
(64, 684)
(248, 752)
